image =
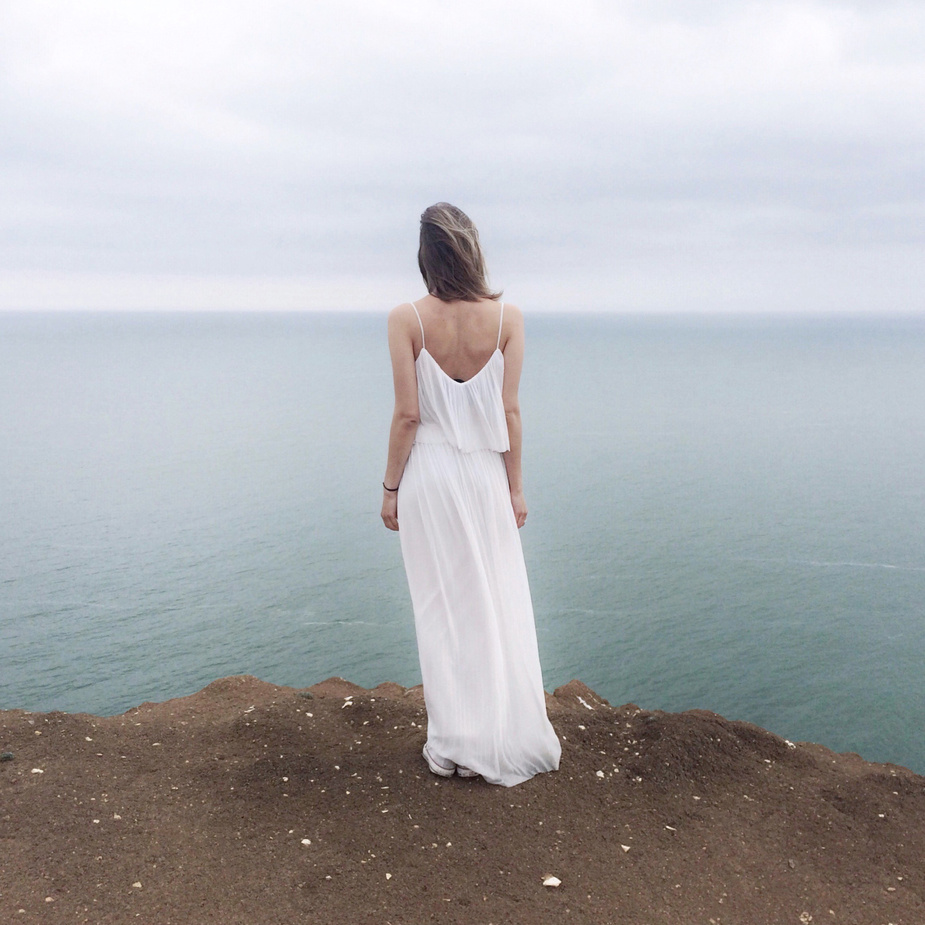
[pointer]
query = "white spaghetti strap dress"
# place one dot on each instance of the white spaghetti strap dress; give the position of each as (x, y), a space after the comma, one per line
(472, 609)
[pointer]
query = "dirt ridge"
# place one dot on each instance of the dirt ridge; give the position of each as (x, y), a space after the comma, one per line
(250, 802)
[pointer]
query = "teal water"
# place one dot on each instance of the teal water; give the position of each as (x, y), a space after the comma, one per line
(725, 513)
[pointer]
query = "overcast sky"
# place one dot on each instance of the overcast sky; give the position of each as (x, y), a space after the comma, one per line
(657, 155)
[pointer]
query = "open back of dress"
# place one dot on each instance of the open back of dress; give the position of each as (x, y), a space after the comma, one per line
(472, 609)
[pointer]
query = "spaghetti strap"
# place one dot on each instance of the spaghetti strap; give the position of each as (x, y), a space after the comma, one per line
(421, 323)
(500, 322)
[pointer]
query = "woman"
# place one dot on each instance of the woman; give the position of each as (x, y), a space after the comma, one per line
(453, 485)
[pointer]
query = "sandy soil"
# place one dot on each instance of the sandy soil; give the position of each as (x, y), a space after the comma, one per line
(252, 803)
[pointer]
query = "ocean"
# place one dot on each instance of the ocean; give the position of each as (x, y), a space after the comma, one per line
(726, 513)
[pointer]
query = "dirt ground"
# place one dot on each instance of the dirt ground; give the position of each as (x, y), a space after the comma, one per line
(252, 803)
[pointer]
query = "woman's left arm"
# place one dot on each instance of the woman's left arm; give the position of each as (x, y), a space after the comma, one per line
(405, 414)
(513, 363)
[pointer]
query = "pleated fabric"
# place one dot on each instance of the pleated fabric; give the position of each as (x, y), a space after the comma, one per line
(472, 609)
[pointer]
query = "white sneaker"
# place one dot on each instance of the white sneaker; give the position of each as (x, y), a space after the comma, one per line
(439, 769)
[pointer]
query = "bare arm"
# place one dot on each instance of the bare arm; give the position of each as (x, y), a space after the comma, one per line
(405, 414)
(513, 364)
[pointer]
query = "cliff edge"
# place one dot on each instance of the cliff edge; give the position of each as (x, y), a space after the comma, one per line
(253, 803)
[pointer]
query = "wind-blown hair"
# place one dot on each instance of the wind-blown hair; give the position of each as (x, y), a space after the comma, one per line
(450, 256)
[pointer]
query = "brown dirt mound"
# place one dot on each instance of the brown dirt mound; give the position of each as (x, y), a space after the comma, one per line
(249, 802)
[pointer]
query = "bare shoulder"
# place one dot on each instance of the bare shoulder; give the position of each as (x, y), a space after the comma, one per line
(400, 312)
(513, 313)
(512, 324)
(402, 318)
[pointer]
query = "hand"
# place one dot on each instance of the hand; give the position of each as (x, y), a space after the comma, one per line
(390, 509)
(520, 507)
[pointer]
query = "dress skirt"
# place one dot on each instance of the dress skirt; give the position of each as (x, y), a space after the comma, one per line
(473, 615)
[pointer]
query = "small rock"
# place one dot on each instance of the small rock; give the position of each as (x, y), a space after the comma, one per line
(551, 881)
(6, 756)
(805, 918)
(49, 899)
(625, 848)
(306, 695)
(37, 771)
(600, 773)
(791, 864)
(388, 876)
(306, 842)
(136, 885)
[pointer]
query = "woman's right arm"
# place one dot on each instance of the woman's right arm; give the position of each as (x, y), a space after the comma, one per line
(405, 414)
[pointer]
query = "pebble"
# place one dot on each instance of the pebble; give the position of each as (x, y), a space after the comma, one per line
(600, 773)
(37, 771)
(6, 756)
(136, 885)
(625, 848)
(306, 841)
(549, 880)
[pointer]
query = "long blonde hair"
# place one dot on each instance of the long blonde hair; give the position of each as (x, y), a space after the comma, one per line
(450, 256)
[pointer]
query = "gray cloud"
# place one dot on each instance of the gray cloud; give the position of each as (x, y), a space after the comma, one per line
(664, 155)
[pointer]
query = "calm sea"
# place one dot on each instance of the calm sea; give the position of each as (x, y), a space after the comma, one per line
(726, 513)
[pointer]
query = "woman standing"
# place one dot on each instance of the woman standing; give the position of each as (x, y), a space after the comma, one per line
(453, 484)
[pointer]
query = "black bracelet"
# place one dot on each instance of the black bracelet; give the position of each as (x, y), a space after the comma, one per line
(386, 487)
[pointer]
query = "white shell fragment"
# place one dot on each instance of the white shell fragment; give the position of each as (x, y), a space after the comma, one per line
(306, 841)
(625, 848)
(549, 880)
(37, 771)
(600, 773)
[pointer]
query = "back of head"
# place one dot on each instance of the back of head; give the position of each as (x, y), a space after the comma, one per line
(450, 256)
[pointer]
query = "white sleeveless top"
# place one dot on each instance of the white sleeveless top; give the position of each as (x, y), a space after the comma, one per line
(468, 415)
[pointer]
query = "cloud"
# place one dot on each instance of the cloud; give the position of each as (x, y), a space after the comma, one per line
(751, 153)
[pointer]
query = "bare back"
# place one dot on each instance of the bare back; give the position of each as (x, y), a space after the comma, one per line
(460, 336)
